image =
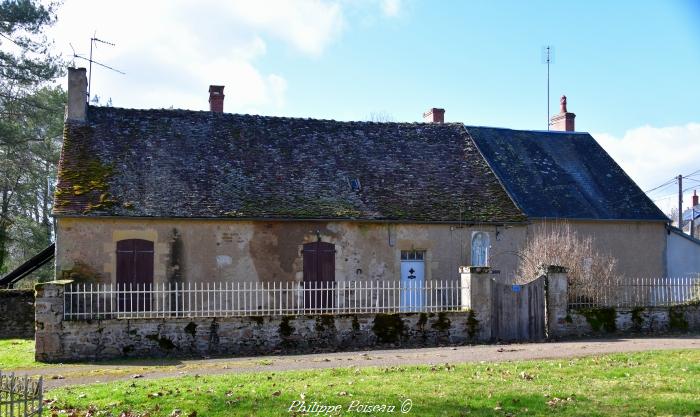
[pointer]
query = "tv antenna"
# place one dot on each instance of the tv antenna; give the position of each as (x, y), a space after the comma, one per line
(548, 58)
(93, 41)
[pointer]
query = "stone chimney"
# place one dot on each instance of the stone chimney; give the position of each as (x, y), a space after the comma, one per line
(695, 198)
(563, 121)
(434, 116)
(76, 108)
(216, 98)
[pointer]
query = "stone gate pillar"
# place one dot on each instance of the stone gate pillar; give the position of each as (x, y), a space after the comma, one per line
(48, 317)
(557, 299)
(477, 298)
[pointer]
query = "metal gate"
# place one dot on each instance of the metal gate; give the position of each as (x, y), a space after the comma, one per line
(518, 311)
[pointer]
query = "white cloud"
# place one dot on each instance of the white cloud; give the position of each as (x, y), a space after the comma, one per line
(391, 8)
(308, 25)
(652, 156)
(172, 50)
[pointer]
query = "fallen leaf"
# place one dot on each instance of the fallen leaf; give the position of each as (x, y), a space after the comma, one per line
(526, 376)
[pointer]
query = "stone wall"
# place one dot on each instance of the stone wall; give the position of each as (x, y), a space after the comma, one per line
(16, 314)
(59, 340)
(601, 321)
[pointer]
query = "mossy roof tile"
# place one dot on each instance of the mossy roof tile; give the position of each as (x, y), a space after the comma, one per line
(177, 163)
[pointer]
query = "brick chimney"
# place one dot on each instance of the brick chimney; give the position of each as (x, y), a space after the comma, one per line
(76, 108)
(434, 116)
(563, 121)
(216, 98)
(695, 198)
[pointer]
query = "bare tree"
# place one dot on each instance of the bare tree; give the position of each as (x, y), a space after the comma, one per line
(558, 244)
(673, 215)
(380, 117)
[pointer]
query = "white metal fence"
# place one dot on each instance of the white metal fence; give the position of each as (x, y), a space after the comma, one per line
(20, 396)
(636, 292)
(222, 299)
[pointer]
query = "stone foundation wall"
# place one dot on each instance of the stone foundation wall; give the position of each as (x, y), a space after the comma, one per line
(59, 340)
(587, 322)
(16, 314)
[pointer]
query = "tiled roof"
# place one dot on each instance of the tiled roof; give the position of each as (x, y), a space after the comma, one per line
(176, 163)
(562, 175)
(691, 213)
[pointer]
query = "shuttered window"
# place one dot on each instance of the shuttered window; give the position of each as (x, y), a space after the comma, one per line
(134, 270)
(319, 274)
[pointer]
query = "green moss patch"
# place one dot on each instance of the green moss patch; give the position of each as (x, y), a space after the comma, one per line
(191, 329)
(637, 318)
(355, 324)
(601, 319)
(442, 324)
(472, 324)
(286, 328)
(388, 328)
(324, 322)
(163, 342)
(676, 319)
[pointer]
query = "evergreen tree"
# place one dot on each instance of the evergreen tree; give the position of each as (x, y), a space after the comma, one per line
(30, 127)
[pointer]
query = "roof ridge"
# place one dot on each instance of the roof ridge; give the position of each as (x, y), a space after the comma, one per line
(262, 116)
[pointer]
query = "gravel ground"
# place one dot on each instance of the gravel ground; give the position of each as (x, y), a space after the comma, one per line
(77, 374)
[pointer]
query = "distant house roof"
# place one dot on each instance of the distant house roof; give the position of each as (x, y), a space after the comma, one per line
(562, 175)
(691, 213)
(176, 163)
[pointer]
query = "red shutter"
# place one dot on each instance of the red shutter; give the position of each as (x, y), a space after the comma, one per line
(134, 270)
(319, 275)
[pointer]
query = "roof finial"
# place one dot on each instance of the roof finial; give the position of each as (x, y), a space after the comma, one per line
(563, 104)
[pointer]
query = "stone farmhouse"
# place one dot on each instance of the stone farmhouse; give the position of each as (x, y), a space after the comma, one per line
(176, 196)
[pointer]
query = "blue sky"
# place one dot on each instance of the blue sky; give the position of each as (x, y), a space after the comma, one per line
(629, 68)
(621, 67)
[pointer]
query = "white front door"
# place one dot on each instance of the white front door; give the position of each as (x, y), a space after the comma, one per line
(412, 280)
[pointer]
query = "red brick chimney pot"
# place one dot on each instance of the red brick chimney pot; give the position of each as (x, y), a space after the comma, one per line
(216, 98)
(434, 115)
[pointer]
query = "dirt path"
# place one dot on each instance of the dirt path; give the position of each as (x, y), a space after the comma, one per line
(74, 374)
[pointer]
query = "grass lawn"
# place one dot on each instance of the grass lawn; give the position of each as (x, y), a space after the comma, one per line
(663, 383)
(17, 354)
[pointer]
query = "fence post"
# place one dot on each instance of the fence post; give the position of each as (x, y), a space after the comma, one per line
(476, 294)
(557, 300)
(48, 318)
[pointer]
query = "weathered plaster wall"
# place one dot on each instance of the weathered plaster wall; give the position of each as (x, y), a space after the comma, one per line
(58, 340)
(226, 250)
(683, 255)
(16, 314)
(640, 247)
